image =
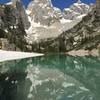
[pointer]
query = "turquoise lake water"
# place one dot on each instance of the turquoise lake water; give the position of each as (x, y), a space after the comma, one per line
(51, 77)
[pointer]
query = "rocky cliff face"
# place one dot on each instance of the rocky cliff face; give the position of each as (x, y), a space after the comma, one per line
(21, 13)
(49, 22)
(98, 6)
(75, 10)
(85, 35)
(42, 12)
(12, 24)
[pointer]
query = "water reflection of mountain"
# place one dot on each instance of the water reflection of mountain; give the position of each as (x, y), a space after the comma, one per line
(53, 77)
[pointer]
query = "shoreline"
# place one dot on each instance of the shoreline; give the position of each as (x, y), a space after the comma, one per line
(15, 55)
(82, 53)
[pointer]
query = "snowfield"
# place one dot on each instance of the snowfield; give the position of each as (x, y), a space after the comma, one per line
(14, 55)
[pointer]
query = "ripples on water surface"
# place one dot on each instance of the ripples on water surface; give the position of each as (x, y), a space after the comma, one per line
(52, 77)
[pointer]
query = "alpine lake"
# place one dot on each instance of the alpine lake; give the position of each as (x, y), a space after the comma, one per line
(51, 77)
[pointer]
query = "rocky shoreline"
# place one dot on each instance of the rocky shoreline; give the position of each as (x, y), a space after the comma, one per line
(94, 52)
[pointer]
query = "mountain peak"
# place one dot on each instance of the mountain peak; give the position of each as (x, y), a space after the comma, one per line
(98, 6)
(48, 21)
(75, 10)
(79, 1)
(14, 1)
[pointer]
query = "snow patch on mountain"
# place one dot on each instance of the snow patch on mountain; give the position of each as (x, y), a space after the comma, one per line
(75, 10)
(9, 3)
(49, 22)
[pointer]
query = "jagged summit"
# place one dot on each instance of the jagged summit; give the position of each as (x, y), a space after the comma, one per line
(98, 6)
(75, 10)
(51, 28)
(14, 2)
(42, 11)
(79, 1)
(48, 21)
(83, 36)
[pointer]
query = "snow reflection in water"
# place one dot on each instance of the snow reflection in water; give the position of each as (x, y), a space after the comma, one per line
(52, 77)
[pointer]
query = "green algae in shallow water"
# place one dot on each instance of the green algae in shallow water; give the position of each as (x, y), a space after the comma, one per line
(52, 77)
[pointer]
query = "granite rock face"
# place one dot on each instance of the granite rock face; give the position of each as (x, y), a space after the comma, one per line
(11, 25)
(48, 21)
(22, 14)
(98, 6)
(42, 12)
(75, 10)
(85, 35)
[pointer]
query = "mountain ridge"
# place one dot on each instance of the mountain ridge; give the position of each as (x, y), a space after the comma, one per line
(48, 21)
(83, 36)
(49, 33)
